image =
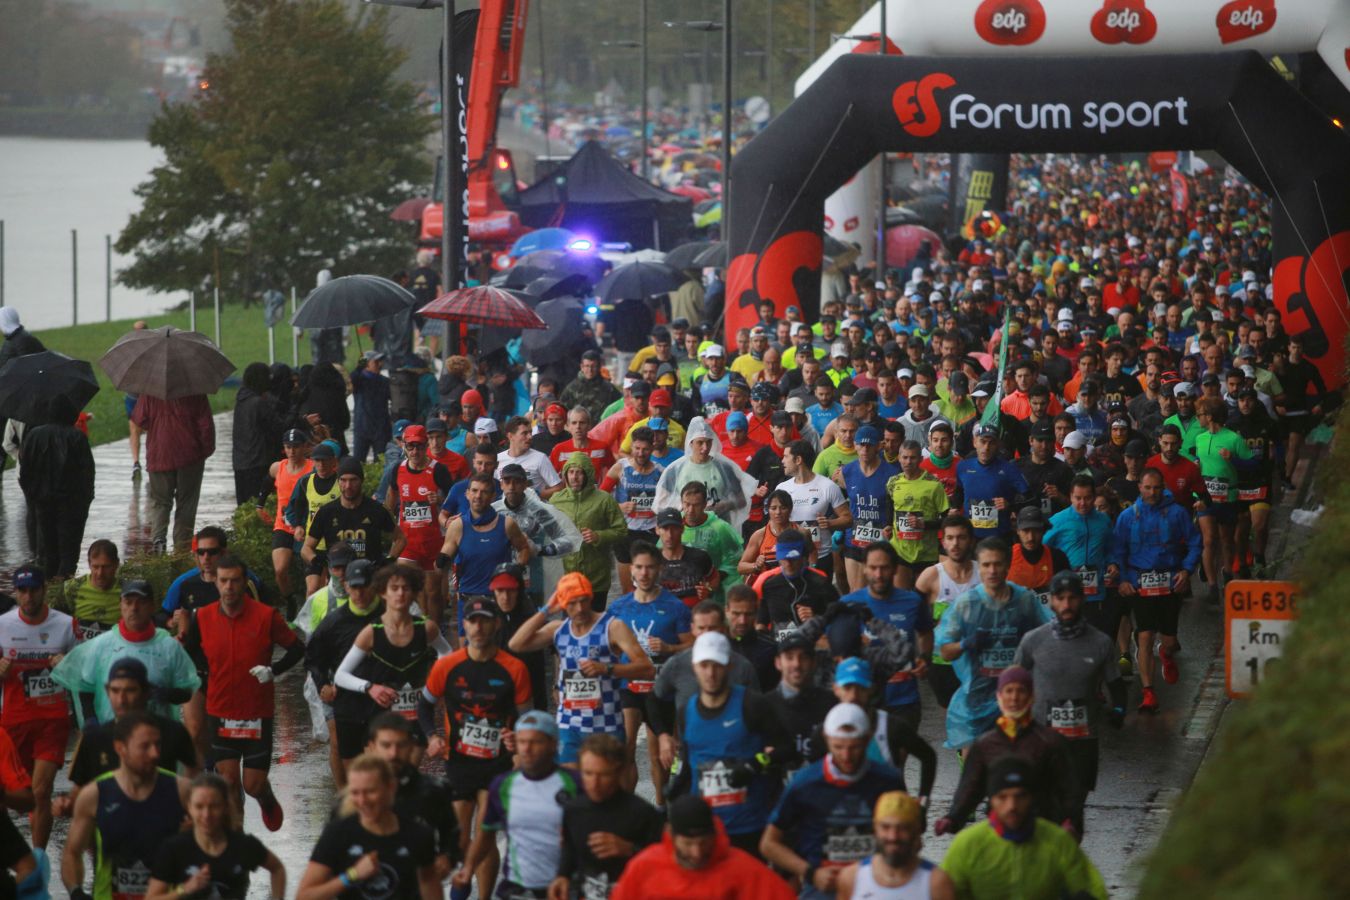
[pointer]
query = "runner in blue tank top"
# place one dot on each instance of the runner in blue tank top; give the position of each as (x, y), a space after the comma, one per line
(864, 483)
(479, 542)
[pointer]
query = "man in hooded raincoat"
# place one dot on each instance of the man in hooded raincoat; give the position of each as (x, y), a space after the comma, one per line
(598, 517)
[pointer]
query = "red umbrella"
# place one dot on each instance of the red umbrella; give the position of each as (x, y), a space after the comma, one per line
(483, 306)
(693, 192)
(903, 242)
(410, 210)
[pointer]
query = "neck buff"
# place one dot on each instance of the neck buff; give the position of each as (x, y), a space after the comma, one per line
(942, 462)
(136, 637)
(1015, 835)
(1067, 630)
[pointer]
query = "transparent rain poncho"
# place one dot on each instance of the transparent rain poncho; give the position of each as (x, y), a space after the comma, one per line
(729, 489)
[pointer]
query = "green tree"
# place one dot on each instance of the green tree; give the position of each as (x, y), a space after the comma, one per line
(288, 162)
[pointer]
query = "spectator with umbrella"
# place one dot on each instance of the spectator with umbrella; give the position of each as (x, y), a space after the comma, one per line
(172, 371)
(18, 342)
(323, 403)
(372, 429)
(258, 425)
(58, 483)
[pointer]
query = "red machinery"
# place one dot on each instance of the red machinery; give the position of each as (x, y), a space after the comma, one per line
(497, 49)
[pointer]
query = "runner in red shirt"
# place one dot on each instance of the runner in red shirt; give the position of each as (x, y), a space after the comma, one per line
(235, 636)
(420, 484)
(579, 426)
(437, 435)
(940, 461)
(1181, 474)
(33, 639)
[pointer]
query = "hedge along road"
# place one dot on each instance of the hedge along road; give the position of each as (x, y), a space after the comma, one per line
(1144, 767)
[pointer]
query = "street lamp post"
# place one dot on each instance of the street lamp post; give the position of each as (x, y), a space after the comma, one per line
(881, 213)
(725, 27)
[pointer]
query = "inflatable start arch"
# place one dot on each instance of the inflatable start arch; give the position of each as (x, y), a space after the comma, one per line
(1234, 103)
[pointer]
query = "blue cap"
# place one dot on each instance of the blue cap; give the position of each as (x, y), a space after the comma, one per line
(538, 720)
(399, 426)
(29, 577)
(656, 423)
(867, 435)
(737, 419)
(790, 550)
(853, 670)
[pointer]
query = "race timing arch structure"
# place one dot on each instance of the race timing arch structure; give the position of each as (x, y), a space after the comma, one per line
(1233, 103)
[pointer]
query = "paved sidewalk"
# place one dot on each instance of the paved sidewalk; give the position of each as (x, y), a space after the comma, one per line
(121, 507)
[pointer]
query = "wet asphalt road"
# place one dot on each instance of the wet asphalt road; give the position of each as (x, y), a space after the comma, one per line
(1144, 767)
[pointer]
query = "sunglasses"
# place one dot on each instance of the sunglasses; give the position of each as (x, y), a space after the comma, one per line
(210, 551)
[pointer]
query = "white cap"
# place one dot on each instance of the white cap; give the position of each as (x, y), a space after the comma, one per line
(839, 348)
(919, 390)
(1248, 372)
(906, 372)
(1208, 242)
(936, 296)
(1075, 440)
(1132, 241)
(916, 273)
(715, 350)
(1086, 282)
(712, 646)
(1113, 311)
(484, 425)
(1064, 325)
(794, 405)
(1065, 315)
(1221, 289)
(1183, 387)
(880, 285)
(977, 285)
(845, 720)
(1248, 275)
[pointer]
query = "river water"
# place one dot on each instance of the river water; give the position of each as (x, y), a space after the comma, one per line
(49, 187)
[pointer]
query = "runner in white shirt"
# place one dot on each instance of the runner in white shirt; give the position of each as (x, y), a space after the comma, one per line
(819, 507)
(543, 477)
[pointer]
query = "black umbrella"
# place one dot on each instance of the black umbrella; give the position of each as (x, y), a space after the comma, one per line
(685, 255)
(715, 257)
(29, 384)
(564, 319)
(564, 262)
(519, 277)
(551, 286)
(637, 281)
(352, 300)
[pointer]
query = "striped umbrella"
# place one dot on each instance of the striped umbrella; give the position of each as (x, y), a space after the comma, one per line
(483, 305)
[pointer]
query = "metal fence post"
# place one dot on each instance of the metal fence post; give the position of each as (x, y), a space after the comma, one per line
(295, 336)
(107, 278)
(217, 302)
(74, 277)
(2, 262)
(271, 345)
(192, 311)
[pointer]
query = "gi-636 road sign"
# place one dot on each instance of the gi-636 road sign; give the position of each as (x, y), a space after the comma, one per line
(1258, 618)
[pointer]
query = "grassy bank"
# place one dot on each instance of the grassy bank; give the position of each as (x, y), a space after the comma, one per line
(1266, 816)
(243, 340)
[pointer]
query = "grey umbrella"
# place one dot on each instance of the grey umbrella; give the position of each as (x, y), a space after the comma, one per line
(352, 300)
(683, 256)
(166, 363)
(564, 319)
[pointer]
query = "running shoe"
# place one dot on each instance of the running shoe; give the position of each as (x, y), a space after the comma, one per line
(272, 814)
(460, 893)
(1126, 666)
(1169, 665)
(136, 472)
(1150, 702)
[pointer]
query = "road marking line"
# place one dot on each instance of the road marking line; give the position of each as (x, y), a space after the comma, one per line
(1209, 704)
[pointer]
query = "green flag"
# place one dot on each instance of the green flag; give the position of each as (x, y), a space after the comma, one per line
(990, 416)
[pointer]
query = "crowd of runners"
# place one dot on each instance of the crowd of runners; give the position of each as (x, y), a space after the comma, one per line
(729, 569)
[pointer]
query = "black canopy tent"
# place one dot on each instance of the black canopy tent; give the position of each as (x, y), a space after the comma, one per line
(594, 194)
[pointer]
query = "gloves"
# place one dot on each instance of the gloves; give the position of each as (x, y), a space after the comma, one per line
(980, 640)
(549, 549)
(442, 561)
(315, 566)
(832, 612)
(943, 826)
(1116, 717)
(743, 775)
(264, 674)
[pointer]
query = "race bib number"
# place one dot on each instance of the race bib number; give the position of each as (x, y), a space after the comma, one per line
(714, 784)
(405, 702)
(866, 534)
(130, 882)
(478, 738)
(240, 729)
(848, 846)
(1091, 580)
(1047, 506)
(909, 526)
(1218, 489)
(1044, 597)
(1155, 584)
(782, 634)
(994, 660)
(580, 692)
(1252, 495)
(595, 887)
(983, 515)
(811, 530)
(1070, 718)
(417, 514)
(38, 685)
(642, 507)
(87, 631)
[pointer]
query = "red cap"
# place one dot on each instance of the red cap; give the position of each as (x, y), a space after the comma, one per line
(503, 581)
(415, 434)
(660, 397)
(555, 409)
(471, 398)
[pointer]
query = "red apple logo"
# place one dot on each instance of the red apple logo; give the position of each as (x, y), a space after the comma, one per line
(1242, 19)
(1124, 22)
(1014, 23)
